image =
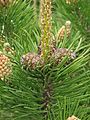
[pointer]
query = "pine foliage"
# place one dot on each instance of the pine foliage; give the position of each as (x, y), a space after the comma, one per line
(53, 91)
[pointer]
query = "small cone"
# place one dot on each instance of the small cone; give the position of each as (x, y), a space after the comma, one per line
(31, 60)
(59, 53)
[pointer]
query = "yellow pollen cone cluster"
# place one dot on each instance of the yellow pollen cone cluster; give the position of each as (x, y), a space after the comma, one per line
(5, 67)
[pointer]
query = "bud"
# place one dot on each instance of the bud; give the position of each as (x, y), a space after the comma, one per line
(7, 48)
(73, 118)
(64, 29)
(68, 1)
(68, 28)
(6, 45)
(5, 66)
(71, 1)
(1, 40)
(61, 33)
